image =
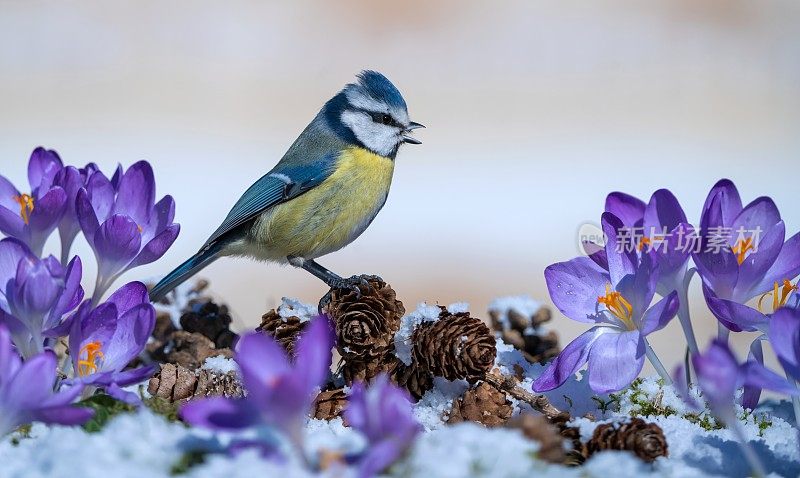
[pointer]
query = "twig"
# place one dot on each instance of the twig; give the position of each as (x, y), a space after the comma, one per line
(508, 384)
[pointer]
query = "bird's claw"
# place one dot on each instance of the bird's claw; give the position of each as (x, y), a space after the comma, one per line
(353, 283)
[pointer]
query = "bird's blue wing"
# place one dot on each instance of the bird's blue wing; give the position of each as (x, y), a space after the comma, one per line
(279, 185)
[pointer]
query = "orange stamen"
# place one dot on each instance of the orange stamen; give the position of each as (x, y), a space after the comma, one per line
(618, 306)
(780, 295)
(93, 353)
(25, 202)
(741, 248)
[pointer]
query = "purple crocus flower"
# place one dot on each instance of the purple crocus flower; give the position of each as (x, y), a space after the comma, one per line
(719, 375)
(122, 224)
(744, 256)
(26, 390)
(784, 335)
(661, 229)
(35, 294)
(279, 392)
(617, 300)
(71, 180)
(31, 217)
(383, 415)
(105, 339)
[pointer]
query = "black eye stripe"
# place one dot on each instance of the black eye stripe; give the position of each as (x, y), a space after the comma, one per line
(382, 118)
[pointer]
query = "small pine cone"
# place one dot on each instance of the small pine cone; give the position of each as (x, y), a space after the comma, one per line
(329, 404)
(211, 320)
(415, 379)
(174, 382)
(578, 453)
(541, 348)
(366, 368)
(541, 316)
(190, 350)
(365, 324)
(646, 440)
(539, 429)
(483, 404)
(456, 346)
(284, 330)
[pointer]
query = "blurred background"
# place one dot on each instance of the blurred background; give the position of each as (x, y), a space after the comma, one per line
(535, 111)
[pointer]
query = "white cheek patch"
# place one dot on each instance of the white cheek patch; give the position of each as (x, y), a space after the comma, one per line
(381, 138)
(361, 101)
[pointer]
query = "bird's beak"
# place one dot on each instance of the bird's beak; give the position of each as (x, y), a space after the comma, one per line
(411, 127)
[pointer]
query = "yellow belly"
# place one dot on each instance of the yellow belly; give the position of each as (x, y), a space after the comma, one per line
(331, 215)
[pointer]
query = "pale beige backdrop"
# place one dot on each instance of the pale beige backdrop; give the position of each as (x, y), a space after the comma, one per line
(535, 110)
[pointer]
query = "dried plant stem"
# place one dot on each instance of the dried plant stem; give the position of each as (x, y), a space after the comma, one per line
(539, 403)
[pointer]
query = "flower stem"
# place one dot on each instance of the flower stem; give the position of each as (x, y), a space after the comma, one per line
(723, 332)
(653, 358)
(795, 402)
(66, 245)
(683, 312)
(750, 455)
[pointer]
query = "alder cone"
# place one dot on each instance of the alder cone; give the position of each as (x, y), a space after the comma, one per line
(174, 383)
(284, 330)
(191, 349)
(456, 346)
(482, 404)
(367, 321)
(329, 404)
(645, 440)
(365, 368)
(211, 320)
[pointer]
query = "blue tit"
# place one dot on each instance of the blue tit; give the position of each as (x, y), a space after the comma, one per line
(323, 193)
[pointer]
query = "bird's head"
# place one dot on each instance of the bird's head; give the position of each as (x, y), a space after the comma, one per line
(371, 113)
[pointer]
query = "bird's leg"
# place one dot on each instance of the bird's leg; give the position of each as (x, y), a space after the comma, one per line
(333, 280)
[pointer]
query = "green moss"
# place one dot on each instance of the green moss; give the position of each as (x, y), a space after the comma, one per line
(105, 408)
(165, 408)
(187, 461)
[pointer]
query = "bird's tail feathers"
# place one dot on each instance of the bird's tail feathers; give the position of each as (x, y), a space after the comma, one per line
(184, 271)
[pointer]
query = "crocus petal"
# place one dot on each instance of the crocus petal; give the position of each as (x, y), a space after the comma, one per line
(33, 382)
(569, 361)
(71, 295)
(132, 376)
(629, 209)
(717, 266)
(101, 193)
(122, 395)
(640, 287)
(756, 375)
(784, 336)
(620, 251)
(615, 360)
(136, 193)
(378, 458)
(87, 218)
(761, 214)
(757, 263)
(682, 388)
(130, 336)
(314, 353)
(42, 167)
(116, 243)
(717, 376)
(9, 359)
(219, 413)
(786, 265)
(12, 251)
(63, 415)
(261, 361)
(659, 315)
(663, 212)
(12, 224)
(574, 287)
(128, 296)
(48, 210)
(156, 248)
(730, 205)
(596, 253)
(735, 316)
(7, 194)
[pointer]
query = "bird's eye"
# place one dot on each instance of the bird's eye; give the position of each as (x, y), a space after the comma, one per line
(386, 119)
